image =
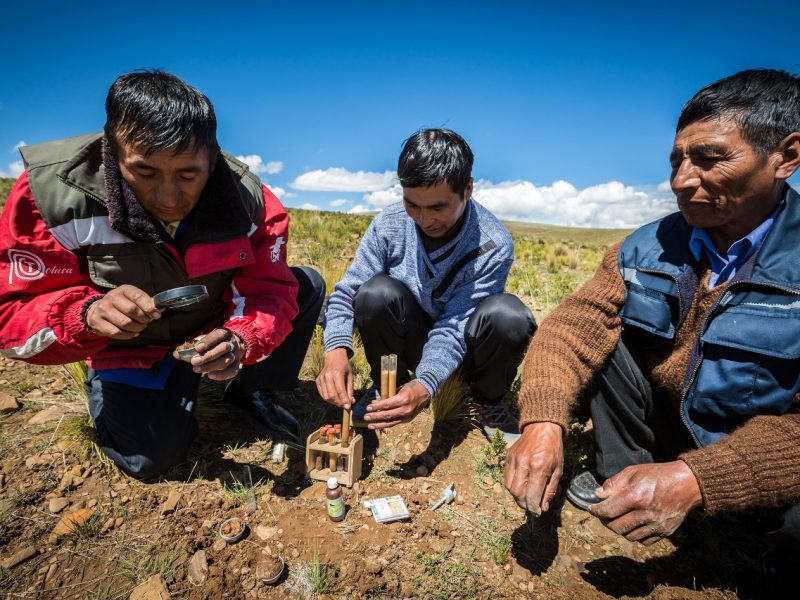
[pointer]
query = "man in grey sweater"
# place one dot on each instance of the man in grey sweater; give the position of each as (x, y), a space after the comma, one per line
(427, 285)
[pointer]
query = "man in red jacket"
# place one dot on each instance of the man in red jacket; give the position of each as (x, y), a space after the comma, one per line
(99, 224)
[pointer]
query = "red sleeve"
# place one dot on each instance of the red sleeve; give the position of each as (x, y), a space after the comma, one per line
(44, 288)
(264, 293)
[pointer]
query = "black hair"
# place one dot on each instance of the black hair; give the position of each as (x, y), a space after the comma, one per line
(154, 110)
(432, 156)
(764, 103)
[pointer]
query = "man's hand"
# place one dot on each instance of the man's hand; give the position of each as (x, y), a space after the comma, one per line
(335, 381)
(400, 408)
(122, 313)
(647, 502)
(219, 354)
(534, 465)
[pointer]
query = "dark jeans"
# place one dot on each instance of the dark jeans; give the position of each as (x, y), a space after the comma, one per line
(147, 431)
(634, 426)
(497, 334)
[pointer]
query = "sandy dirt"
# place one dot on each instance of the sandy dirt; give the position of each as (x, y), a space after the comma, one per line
(132, 539)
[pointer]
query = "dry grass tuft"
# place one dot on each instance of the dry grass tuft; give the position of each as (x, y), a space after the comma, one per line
(448, 403)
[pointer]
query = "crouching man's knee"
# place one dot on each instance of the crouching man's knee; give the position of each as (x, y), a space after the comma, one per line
(503, 317)
(146, 465)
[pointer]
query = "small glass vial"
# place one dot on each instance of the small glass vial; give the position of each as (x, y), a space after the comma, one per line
(384, 377)
(278, 452)
(331, 435)
(392, 388)
(334, 500)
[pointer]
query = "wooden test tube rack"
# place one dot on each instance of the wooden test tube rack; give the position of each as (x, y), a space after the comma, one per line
(353, 457)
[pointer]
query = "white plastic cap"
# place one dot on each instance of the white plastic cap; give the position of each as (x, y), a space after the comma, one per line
(333, 483)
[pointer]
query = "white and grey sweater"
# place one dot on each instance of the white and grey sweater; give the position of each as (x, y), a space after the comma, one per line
(448, 283)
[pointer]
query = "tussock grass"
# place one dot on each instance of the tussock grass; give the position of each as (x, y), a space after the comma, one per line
(87, 530)
(493, 461)
(239, 490)
(448, 402)
(455, 578)
(80, 430)
(313, 578)
(578, 450)
(315, 356)
(139, 567)
(496, 544)
(76, 373)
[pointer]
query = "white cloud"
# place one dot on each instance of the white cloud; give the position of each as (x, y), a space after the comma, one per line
(383, 198)
(308, 206)
(609, 204)
(337, 179)
(259, 167)
(15, 169)
(18, 145)
(278, 191)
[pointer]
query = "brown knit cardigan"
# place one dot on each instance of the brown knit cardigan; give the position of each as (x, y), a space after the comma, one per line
(758, 465)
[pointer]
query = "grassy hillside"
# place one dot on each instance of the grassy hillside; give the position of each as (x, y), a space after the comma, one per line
(551, 262)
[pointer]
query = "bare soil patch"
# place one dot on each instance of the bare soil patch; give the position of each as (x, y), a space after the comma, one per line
(149, 536)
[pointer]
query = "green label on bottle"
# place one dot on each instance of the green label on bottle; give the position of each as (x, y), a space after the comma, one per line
(335, 507)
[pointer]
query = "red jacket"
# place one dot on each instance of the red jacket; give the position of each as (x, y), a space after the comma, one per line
(45, 286)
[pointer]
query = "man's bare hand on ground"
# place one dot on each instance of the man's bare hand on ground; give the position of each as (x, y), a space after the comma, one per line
(122, 313)
(219, 355)
(400, 408)
(648, 502)
(335, 381)
(534, 465)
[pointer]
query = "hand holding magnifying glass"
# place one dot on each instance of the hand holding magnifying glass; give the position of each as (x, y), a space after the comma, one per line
(123, 312)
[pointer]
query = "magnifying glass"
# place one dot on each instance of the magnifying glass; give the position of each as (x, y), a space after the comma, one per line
(181, 296)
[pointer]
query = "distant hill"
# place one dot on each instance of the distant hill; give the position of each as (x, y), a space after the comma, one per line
(556, 233)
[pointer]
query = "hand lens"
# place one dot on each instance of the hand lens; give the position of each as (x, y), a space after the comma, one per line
(181, 296)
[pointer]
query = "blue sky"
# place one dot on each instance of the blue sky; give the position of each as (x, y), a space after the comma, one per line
(569, 108)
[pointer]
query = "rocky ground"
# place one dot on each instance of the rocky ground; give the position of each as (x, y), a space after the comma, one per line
(72, 527)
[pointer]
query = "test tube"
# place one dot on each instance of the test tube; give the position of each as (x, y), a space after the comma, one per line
(345, 429)
(384, 377)
(332, 442)
(320, 456)
(340, 457)
(337, 434)
(392, 375)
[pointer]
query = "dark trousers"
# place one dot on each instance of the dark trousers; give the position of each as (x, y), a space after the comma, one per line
(634, 426)
(497, 334)
(147, 431)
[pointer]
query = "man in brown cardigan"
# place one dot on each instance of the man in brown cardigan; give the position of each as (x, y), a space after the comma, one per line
(686, 341)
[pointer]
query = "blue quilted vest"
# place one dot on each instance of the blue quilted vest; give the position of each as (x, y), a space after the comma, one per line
(746, 357)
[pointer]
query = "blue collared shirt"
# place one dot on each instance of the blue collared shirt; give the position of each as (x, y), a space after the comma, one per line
(725, 267)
